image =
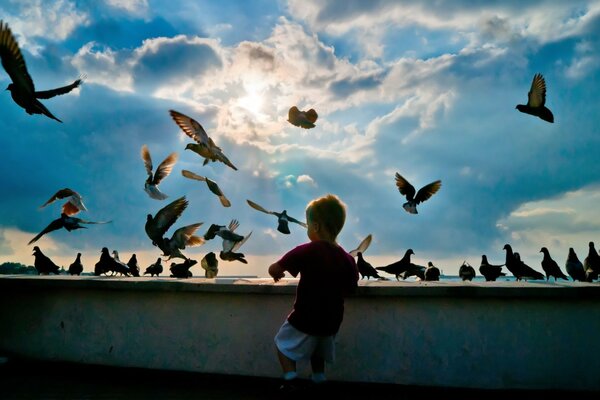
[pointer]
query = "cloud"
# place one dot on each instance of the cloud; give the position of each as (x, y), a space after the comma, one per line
(307, 180)
(134, 7)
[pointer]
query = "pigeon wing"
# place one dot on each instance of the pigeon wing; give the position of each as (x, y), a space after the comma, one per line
(61, 194)
(190, 127)
(70, 209)
(167, 215)
(296, 221)
(46, 94)
(362, 247)
(405, 187)
(311, 115)
(537, 93)
(191, 175)
(164, 168)
(238, 244)
(259, 208)
(13, 61)
(52, 226)
(182, 235)
(233, 225)
(427, 191)
(147, 159)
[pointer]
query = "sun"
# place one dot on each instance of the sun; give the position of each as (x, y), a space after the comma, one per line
(253, 101)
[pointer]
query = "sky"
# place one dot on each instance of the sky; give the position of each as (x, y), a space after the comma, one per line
(427, 89)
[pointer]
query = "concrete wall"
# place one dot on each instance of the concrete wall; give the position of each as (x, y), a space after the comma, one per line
(482, 335)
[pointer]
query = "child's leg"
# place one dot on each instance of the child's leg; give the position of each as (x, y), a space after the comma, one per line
(317, 364)
(287, 365)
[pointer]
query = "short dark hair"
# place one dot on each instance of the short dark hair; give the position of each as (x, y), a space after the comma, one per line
(328, 210)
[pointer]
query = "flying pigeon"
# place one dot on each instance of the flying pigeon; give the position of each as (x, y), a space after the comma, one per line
(162, 171)
(22, 88)
(212, 186)
(490, 272)
(43, 264)
(76, 267)
(408, 191)
(362, 246)
(536, 100)
(466, 272)
(210, 264)
(550, 266)
(398, 267)
(302, 119)
(67, 222)
(232, 242)
(156, 227)
(432, 273)
(204, 146)
(155, 269)
(74, 202)
(282, 218)
(182, 237)
(414, 270)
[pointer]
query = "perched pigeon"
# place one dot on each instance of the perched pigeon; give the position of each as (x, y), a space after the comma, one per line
(43, 264)
(365, 268)
(408, 191)
(155, 269)
(282, 218)
(302, 119)
(118, 266)
(574, 267)
(105, 264)
(398, 267)
(22, 88)
(212, 186)
(517, 267)
(182, 270)
(204, 146)
(432, 273)
(466, 272)
(490, 272)
(536, 100)
(134, 268)
(162, 171)
(76, 267)
(210, 264)
(362, 246)
(69, 223)
(73, 205)
(550, 266)
(591, 264)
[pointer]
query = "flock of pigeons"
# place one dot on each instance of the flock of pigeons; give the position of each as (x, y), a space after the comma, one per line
(24, 94)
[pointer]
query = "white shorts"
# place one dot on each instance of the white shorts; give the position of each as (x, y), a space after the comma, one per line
(297, 345)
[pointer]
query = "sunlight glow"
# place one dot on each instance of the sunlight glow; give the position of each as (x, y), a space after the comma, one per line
(254, 100)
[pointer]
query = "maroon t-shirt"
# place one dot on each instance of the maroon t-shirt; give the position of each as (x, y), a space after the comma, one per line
(327, 275)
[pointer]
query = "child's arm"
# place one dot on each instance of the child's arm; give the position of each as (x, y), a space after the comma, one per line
(276, 271)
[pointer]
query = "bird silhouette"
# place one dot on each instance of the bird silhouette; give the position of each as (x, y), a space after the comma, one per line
(76, 267)
(591, 264)
(22, 89)
(134, 268)
(517, 267)
(466, 272)
(232, 242)
(182, 270)
(283, 218)
(210, 264)
(67, 222)
(43, 264)
(398, 267)
(550, 266)
(574, 267)
(72, 206)
(414, 270)
(302, 119)
(408, 191)
(118, 266)
(204, 146)
(365, 268)
(490, 272)
(536, 100)
(212, 186)
(362, 246)
(181, 238)
(162, 171)
(155, 269)
(105, 264)
(432, 273)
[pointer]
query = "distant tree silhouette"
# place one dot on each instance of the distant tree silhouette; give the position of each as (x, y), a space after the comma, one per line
(13, 268)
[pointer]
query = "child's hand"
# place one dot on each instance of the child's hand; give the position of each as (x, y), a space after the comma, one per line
(276, 271)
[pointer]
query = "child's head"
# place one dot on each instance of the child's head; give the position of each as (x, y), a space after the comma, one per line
(325, 217)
